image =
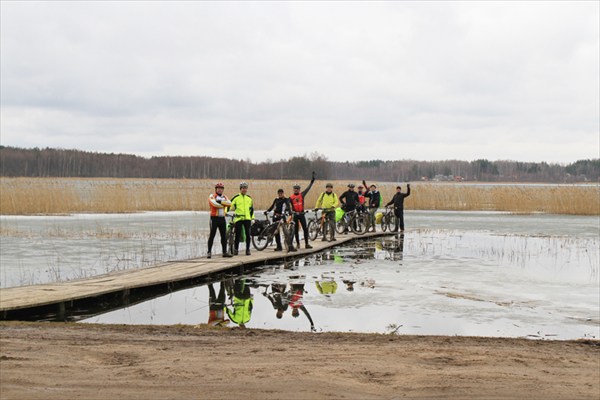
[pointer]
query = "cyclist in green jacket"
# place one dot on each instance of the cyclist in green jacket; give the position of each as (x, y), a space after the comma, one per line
(244, 214)
(328, 201)
(242, 303)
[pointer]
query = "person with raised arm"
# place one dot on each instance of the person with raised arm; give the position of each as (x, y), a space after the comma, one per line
(297, 201)
(398, 203)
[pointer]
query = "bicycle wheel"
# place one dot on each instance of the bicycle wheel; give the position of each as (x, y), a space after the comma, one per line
(288, 236)
(359, 224)
(231, 239)
(341, 226)
(384, 223)
(391, 223)
(313, 229)
(261, 241)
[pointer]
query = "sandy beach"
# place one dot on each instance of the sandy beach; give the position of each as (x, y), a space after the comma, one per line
(83, 361)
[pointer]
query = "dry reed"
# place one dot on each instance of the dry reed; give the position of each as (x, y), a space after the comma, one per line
(28, 196)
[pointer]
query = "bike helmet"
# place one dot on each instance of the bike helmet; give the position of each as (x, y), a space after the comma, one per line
(296, 186)
(219, 185)
(243, 185)
(351, 185)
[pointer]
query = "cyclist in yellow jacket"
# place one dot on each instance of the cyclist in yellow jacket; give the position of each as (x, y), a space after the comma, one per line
(242, 303)
(328, 201)
(244, 214)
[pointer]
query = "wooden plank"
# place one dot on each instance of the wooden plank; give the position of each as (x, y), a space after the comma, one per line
(24, 297)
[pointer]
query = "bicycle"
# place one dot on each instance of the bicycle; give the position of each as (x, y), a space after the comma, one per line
(389, 220)
(318, 225)
(265, 235)
(358, 222)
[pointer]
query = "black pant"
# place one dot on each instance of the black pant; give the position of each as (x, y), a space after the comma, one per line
(238, 232)
(277, 218)
(220, 224)
(330, 222)
(215, 302)
(399, 213)
(300, 220)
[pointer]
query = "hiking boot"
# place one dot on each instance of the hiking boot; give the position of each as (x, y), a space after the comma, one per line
(293, 249)
(208, 255)
(247, 252)
(278, 249)
(227, 255)
(324, 239)
(333, 240)
(308, 246)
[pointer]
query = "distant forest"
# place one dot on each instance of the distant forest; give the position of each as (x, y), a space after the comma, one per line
(19, 162)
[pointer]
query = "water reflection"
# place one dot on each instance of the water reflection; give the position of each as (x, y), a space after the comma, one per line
(216, 304)
(241, 303)
(431, 283)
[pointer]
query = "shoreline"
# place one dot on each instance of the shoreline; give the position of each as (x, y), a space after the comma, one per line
(71, 360)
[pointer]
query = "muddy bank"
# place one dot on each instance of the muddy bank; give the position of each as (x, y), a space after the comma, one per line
(65, 361)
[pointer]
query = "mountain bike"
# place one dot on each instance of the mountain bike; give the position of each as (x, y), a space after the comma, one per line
(266, 233)
(389, 220)
(318, 225)
(358, 222)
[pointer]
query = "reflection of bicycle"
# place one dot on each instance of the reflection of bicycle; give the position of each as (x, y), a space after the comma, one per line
(389, 220)
(264, 236)
(318, 225)
(358, 222)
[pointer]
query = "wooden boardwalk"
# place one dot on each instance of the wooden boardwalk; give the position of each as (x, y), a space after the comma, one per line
(17, 300)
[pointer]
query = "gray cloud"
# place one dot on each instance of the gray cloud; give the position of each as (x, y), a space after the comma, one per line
(431, 80)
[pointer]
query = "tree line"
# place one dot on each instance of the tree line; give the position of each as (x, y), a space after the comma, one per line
(49, 162)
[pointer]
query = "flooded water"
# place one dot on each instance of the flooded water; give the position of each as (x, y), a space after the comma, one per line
(42, 249)
(451, 273)
(423, 282)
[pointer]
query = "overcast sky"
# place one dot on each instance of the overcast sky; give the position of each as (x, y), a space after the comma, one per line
(270, 80)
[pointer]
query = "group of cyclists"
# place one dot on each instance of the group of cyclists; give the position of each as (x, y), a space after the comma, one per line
(366, 199)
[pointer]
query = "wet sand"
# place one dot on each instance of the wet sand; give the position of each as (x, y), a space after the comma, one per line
(84, 361)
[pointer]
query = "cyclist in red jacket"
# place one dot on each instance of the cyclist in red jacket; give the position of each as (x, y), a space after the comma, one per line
(297, 200)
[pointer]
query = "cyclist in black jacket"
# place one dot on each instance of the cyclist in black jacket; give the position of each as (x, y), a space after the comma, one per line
(373, 204)
(281, 206)
(398, 202)
(349, 200)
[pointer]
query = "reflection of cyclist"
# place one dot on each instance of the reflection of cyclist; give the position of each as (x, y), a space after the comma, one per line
(328, 201)
(244, 214)
(281, 207)
(297, 302)
(399, 248)
(241, 302)
(297, 201)
(216, 304)
(278, 298)
(373, 204)
(326, 287)
(219, 204)
(398, 202)
(349, 285)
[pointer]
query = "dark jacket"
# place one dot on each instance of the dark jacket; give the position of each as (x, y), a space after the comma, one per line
(281, 206)
(398, 199)
(350, 200)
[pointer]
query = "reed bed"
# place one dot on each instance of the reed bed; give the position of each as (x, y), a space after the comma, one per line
(31, 196)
